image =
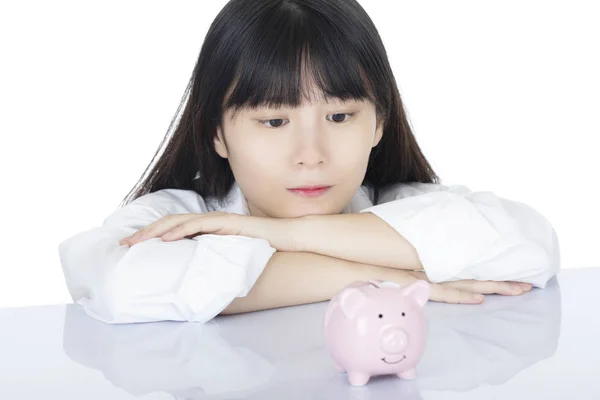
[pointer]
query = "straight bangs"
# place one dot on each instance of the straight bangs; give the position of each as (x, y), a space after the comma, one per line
(297, 56)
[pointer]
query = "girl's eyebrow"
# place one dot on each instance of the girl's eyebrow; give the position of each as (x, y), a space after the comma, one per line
(254, 113)
(349, 102)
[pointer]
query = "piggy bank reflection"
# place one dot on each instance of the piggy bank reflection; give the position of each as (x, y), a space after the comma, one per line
(377, 328)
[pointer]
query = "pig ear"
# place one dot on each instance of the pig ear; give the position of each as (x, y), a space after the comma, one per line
(351, 301)
(419, 291)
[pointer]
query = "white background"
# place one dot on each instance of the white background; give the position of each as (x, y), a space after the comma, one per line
(502, 97)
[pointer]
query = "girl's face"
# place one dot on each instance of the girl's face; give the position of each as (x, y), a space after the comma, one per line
(271, 151)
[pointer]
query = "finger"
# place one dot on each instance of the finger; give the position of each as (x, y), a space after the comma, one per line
(487, 287)
(190, 228)
(447, 294)
(510, 288)
(215, 223)
(525, 285)
(165, 225)
(157, 228)
(483, 287)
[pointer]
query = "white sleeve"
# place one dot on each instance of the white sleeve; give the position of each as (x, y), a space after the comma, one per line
(184, 280)
(459, 234)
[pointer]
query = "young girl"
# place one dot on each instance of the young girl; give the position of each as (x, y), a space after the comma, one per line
(293, 172)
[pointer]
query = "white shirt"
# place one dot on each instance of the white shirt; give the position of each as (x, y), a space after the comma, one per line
(458, 234)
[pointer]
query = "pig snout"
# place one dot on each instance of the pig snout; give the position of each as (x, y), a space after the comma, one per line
(394, 340)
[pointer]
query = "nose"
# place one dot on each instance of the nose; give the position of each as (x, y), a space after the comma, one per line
(393, 340)
(310, 149)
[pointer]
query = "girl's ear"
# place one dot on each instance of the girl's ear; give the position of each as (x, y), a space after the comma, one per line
(378, 133)
(220, 146)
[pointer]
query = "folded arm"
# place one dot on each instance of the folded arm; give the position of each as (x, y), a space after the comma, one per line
(184, 280)
(450, 232)
(363, 238)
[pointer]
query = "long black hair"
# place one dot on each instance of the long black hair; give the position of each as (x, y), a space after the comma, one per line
(256, 53)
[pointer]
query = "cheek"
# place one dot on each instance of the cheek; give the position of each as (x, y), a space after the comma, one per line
(256, 161)
(353, 146)
(253, 156)
(352, 158)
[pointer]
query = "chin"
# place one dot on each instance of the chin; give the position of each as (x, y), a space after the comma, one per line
(314, 211)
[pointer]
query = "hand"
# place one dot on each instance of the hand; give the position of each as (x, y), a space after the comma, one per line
(277, 231)
(466, 291)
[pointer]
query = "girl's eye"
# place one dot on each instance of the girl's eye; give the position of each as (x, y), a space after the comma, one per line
(276, 123)
(342, 118)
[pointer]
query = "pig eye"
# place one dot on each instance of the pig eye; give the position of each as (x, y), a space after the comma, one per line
(380, 315)
(403, 314)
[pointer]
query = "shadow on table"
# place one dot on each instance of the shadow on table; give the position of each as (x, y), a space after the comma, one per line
(281, 354)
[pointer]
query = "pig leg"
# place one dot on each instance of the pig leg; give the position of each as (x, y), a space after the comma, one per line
(358, 378)
(339, 369)
(408, 374)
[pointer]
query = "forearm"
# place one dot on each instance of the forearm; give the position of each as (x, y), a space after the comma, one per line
(362, 238)
(292, 278)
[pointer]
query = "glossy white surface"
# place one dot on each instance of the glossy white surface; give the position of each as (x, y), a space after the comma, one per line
(541, 345)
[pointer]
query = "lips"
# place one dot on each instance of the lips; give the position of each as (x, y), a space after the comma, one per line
(310, 191)
(310, 187)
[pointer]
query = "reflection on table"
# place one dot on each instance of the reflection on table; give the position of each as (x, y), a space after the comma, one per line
(281, 354)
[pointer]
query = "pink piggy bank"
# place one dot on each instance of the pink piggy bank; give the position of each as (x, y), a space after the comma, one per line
(377, 328)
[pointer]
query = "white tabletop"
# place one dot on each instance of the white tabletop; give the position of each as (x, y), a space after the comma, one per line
(541, 345)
